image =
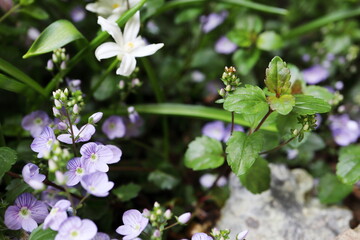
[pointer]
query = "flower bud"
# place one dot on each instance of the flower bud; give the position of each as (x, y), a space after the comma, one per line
(156, 205)
(157, 233)
(167, 214)
(96, 117)
(184, 218)
(58, 104)
(306, 127)
(146, 213)
(76, 109)
(121, 84)
(66, 92)
(222, 92)
(63, 65)
(50, 65)
(54, 58)
(62, 126)
(56, 112)
(60, 178)
(52, 166)
(63, 97)
(228, 88)
(242, 235)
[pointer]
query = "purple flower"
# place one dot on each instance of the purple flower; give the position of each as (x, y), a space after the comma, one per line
(344, 130)
(82, 135)
(96, 157)
(212, 20)
(134, 224)
(77, 14)
(75, 228)
(315, 74)
(31, 175)
(97, 184)
(201, 236)
(35, 122)
(114, 127)
(51, 196)
(43, 143)
(117, 153)
(133, 129)
(184, 218)
(101, 236)
(242, 235)
(57, 215)
(225, 46)
(215, 129)
(96, 117)
(26, 213)
(73, 84)
(76, 170)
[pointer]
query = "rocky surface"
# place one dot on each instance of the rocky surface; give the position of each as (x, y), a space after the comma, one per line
(287, 211)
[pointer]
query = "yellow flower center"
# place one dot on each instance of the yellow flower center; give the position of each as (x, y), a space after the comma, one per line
(115, 5)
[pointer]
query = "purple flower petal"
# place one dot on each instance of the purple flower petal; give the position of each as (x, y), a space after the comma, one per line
(73, 226)
(43, 143)
(28, 224)
(214, 130)
(117, 153)
(225, 46)
(12, 219)
(97, 184)
(315, 74)
(35, 122)
(114, 127)
(134, 224)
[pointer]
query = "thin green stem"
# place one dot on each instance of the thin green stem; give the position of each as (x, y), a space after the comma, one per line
(79, 205)
(170, 226)
(71, 132)
(12, 10)
(68, 195)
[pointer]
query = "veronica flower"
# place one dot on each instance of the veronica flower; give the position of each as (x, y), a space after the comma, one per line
(73, 228)
(82, 135)
(315, 74)
(215, 129)
(43, 143)
(127, 46)
(117, 153)
(134, 224)
(201, 236)
(26, 213)
(77, 14)
(31, 175)
(51, 196)
(101, 236)
(344, 130)
(225, 46)
(57, 215)
(96, 157)
(97, 184)
(212, 20)
(114, 127)
(73, 84)
(133, 128)
(35, 122)
(111, 9)
(76, 170)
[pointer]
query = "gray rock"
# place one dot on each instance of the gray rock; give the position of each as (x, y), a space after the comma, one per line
(287, 211)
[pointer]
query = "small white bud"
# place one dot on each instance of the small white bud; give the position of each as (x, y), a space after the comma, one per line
(50, 65)
(63, 97)
(146, 213)
(156, 205)
(66, 92)
(167, 214)
(121, 84)
(184, 218)
(76, 109)
(242, 235)
(62, 126)
(54, 58)
(52, 166)
(306, 127)
(58, 104)
(96, 117)
(56, 112)
(63, 65)
(60, 178)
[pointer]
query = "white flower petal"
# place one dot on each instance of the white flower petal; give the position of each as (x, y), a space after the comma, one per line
(107, 50)
(127, 65)
(147, 50)
(132, 28)
(112, 28)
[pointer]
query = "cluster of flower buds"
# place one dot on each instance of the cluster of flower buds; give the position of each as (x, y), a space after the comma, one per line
(57, 157)
(220, 234)
(58, 60)
(129, 86)
(308, 123)
(230, 80)
(338, 97)
(70, 102)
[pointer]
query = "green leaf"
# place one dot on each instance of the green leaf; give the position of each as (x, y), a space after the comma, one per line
(331, 190)
(348, 167)
(127, 192)
(7, 158)
(278, 77)
(35, 12)
(204, 153)
(257, 178)
(283, 105)
(163, 180)
(55, 36)
(269, 41)
(306, 104)
(15, 188)
(21, 76)
(245, 59)
(246, 100)
(106, 89)
(242, 151)
(40, 234)
(11, 85)
(319, 92)
(241, 37)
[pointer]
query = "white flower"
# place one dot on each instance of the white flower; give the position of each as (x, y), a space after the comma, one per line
(127, 46)
(111, 9)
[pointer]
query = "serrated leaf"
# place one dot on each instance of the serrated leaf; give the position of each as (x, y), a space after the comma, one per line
(257, 178)
(306, 104)
(246, 100)
(348, 167)
(245, 59)
(331, 190)
(163, 180)
(55, 36)
(7, 158)
(242, 151)
(278, 77)
(127, 192)
(204, 153)
(269, 41)
(283, 105)
(40, 234)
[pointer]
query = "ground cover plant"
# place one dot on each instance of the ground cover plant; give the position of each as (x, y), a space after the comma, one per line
(122, 119)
